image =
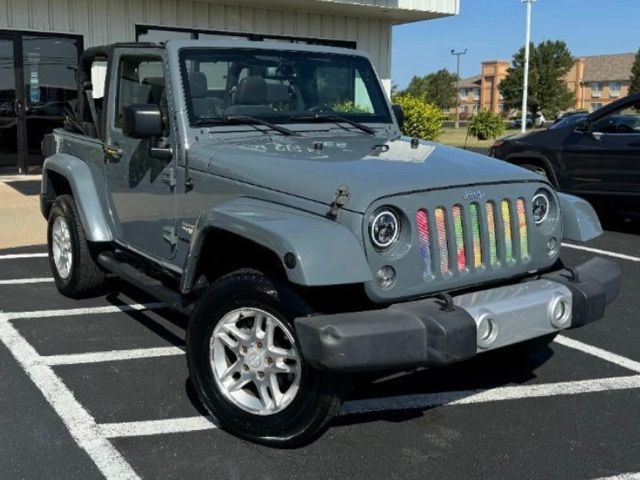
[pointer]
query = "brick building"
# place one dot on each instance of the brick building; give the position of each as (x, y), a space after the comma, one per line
(595, 80)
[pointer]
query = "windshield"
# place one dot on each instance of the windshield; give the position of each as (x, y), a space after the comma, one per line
(279, 86)
(566, 121)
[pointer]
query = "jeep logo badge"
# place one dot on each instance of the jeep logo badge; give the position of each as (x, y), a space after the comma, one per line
(475, 195)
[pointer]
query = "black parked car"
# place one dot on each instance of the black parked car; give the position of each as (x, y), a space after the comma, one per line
(595, 155)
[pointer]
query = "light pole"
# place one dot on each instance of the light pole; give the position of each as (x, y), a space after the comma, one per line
(525, 87)
(458, 54)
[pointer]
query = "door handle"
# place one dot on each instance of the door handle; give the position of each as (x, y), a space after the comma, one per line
(17, 108)
(112, 154)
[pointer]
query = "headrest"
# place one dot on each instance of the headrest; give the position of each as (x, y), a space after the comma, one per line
(198, 85)
(252, 91)
(154, 81)
(156, 88)
(278, 93)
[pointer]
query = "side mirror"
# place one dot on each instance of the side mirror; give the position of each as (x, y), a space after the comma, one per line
(142, 121)
(582, 125)
(399, 113)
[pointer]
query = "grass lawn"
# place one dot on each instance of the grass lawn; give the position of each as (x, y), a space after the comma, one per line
(456, 137)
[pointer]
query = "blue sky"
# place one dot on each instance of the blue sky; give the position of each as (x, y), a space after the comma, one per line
(494, 30)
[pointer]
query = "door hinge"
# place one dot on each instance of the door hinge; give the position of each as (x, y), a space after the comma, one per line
(170, 236)
(169, 178)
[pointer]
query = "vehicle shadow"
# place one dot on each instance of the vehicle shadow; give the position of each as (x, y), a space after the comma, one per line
(395, 397)
(406, 395)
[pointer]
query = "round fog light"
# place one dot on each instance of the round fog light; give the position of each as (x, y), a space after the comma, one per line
(560, 311)
(386, 277)
(487, 331)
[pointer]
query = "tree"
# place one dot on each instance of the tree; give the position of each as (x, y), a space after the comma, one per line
(549, 63)
(438, 88)
(417, 87)
(635, 75)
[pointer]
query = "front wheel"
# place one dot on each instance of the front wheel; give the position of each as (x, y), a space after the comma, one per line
(247, 368)
(539, 170)
(71, 255)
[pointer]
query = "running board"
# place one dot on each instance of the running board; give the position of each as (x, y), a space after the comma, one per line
(144, 282)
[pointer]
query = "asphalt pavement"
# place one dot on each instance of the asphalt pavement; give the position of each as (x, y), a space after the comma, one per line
(99, 388)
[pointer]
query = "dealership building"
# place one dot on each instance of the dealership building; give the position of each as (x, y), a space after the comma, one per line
(40, 41)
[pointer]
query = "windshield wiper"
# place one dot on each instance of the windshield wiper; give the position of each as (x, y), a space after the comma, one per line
(239, 120)
(329, 117)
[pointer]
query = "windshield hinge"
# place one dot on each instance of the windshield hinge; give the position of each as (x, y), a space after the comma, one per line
(170, 236)
(339, 202)
(169, 178)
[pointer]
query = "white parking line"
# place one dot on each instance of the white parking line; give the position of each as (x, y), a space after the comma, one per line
(600, 353)
(404, 402)
(622, 476)
(156, 427)
(17, 256)
(78, 421)
(111, 356)
(25, 281)
(468, 397)
(85, 311)
(602, 252)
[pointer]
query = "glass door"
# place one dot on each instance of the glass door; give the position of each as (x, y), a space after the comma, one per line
(37, 78)
(49, 65)
(9, 106)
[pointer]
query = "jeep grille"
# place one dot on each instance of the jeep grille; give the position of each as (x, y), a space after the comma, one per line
(461, 238)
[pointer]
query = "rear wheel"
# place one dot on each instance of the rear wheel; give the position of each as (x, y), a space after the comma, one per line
(247, 367)
(71, 256)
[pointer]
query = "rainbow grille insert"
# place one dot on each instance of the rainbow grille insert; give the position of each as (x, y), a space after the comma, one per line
(443, 244)
(475, 234)
(491, 228)
(471, 237)
(422, 220)
(522, 226)
(508, 239)
(461, 253)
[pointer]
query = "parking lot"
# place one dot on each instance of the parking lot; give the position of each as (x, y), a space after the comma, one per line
(99, 388)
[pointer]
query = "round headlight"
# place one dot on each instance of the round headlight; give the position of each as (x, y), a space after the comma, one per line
(384, 228)
(541, 207)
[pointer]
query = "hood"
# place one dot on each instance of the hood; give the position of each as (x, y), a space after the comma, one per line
(371, 167)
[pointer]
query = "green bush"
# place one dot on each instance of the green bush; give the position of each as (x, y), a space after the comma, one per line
(421, 119)
(348, 106)
(485, 125)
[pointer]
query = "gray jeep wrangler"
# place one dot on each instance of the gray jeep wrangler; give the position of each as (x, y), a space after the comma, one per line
(265, 190)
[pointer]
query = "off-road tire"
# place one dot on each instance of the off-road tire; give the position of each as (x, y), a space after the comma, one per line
(320, 393)
(85, 275)
(542, 171)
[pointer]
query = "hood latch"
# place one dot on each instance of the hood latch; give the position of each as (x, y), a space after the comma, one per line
(339, 201)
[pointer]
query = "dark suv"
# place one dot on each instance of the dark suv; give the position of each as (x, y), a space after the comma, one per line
(596, 155)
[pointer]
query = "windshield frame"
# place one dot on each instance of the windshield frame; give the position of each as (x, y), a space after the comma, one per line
(383, 118)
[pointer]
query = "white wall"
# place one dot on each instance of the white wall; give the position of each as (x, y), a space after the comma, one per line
(108, 21)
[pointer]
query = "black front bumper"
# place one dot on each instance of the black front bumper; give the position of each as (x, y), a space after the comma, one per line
(423, 333)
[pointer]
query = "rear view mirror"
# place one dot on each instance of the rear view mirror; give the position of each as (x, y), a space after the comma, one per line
(142, 121)
(399, 113)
